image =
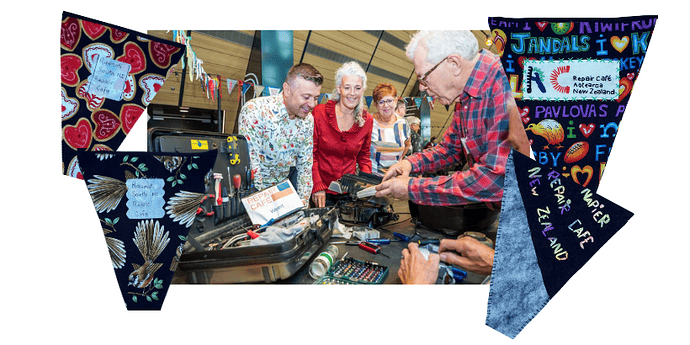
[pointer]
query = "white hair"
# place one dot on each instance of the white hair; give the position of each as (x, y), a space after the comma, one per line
(440, 44)
(351, 68)
(413, 120)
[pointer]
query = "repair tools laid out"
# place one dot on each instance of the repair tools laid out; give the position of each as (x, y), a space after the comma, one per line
(351, 271)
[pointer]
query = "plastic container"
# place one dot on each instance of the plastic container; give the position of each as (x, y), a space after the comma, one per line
(323, 262)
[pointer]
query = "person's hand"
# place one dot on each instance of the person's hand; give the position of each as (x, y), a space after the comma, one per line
(401, 168)
(319, 198)
(468, 253)
(395, 188)
(414, 269)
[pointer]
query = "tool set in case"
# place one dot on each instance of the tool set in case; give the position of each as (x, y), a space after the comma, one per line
(219, 246)
(349, 271)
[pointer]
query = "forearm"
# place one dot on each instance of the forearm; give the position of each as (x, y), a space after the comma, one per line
(478, 184)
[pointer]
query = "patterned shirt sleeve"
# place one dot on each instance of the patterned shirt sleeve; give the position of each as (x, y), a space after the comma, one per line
(250, 127)
(304, 160)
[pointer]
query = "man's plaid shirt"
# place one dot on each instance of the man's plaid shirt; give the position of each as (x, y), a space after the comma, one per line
(481, 116)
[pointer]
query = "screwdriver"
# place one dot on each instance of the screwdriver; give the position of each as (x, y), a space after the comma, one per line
(379, 241)
(237, 182)
(372, 248)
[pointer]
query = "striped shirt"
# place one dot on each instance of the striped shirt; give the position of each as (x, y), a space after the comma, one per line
(388, 144)
(481, 116)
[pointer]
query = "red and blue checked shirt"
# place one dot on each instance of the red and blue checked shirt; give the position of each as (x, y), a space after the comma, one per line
(481, 116)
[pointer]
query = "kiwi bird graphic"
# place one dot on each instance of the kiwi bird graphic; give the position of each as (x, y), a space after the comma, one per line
(550, 130)
(151, 239)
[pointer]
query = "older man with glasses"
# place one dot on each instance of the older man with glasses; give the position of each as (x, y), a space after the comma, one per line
(486, 124)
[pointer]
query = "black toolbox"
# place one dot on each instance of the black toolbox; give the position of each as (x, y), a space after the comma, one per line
(203, 259)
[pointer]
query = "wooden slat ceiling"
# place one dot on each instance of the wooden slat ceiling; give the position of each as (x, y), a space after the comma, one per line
(227, 53)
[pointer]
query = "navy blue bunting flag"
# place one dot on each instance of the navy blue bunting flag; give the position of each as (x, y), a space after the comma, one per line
(549, 228)
(146, 204)
(572, 79)
(109, 75)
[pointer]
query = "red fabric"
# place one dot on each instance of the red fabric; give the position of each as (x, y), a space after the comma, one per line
(337, 153)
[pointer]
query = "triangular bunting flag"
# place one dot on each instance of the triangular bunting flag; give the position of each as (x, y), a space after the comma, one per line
(272, 91)
(245, 87)
(572, 79)
(549, 228)
(430, 100)
(368, 99)
(418, 102)
(212, 87)
(231, 84)
(258, 90)
(146, 204)
(109, 75)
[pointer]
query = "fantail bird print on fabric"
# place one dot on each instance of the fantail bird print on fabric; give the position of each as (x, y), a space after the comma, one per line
(170, 162)
(551, 130)
(151, 239)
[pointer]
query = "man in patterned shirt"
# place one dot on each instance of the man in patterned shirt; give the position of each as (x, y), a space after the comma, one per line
(279, 131)
(485, 111)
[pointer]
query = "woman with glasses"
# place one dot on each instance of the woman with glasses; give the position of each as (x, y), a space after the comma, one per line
(342, 134)
(390, 136)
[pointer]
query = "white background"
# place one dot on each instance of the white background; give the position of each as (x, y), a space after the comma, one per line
(58, 284)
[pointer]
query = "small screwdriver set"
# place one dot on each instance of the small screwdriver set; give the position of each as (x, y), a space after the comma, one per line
(351, 271)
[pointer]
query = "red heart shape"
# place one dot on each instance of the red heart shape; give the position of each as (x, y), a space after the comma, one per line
(626, 84)
(70, 33)
(129, 114)
(542, 25)
(107, 124)
(151, 83)
(134, 56)
(523, 115)
(586, 129)
(92, 30)
(161, 53)
(78, 136)
(117, 36)
(69, 66)
(70, 105)
(630, 76)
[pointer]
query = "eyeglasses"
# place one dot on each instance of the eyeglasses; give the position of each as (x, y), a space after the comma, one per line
(422, 80)
(389, 101)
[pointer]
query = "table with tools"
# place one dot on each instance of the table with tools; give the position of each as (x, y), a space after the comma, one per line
(356, 259)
